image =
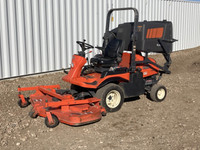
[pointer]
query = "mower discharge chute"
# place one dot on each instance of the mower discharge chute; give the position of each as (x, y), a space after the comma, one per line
(119, 72)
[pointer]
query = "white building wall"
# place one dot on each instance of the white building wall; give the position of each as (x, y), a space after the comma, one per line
(40, 35)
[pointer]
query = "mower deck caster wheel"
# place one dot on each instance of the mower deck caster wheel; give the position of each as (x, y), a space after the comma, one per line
(103, 113)
(54, 124)
(32, 114)
(158, 93)
(24, 105)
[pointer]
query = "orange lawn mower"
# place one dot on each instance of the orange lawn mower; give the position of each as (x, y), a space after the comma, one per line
(121, 71)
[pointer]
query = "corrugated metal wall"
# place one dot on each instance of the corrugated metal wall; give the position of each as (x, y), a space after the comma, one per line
(40, 35)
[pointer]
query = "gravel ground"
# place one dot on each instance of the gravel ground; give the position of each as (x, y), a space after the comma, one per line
(140, 124)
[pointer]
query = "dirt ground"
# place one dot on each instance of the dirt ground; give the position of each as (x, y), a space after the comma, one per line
(140, 124)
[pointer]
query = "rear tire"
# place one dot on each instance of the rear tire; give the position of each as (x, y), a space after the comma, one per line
(112, 97)
(158, 93)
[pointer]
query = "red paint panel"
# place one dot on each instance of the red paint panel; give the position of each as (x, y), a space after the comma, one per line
(154, 33)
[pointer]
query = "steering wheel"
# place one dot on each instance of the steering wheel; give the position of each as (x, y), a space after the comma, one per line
(84, 46)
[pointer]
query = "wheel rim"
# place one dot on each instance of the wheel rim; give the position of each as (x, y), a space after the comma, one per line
(113, 99)
(161, 93)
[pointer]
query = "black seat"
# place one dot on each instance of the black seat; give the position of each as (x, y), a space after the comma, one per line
(112, 54)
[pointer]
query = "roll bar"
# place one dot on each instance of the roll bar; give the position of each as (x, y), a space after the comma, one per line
(119, 9)
(133, 36)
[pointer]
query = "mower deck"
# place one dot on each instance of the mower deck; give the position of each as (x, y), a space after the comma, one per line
(61, 108)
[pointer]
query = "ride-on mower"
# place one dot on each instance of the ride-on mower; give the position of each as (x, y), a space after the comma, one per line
(119, 72)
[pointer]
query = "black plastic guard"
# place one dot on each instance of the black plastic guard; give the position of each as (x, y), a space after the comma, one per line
(134, 88)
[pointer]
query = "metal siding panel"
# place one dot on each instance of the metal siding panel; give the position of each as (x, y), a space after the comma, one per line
(158, 9)
(13, 38)
(63, 34)
(69, 32)
(179, 24)
(147, 10)
(100, 27)
(96, 21)
(196, 36)
(173, 8)
(79, 20)
(74, 27)
(1, 68)
(153, 10)
(198, 24)
(109, 4)
(89, 25)
(189, 28)
(129, 14)
(144, 10)
(141, 11)
(187, 23)
(126, 12)
(29, 36)
(4, 40)
(184, 25)
(150, 10)
(93, 27)
(56, 16)
(176, 27)
(50, 35)
(191, 25)
(186, 31)
(43, 36)
(38, 36)
(195, 23)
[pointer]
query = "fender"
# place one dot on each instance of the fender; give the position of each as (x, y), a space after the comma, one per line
(111, 80)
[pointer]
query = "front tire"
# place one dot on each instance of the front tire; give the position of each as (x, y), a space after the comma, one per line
(158, 93)
(112, 97)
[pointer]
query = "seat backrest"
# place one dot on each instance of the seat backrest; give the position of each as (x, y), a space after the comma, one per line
(120, 41)
(112, 48)
(124, 33)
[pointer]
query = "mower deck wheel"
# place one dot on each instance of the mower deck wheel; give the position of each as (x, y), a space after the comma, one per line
(103, 113)
(32, 113)
(55, 121)
(158, 93)
(112, 97)
(20, 102)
